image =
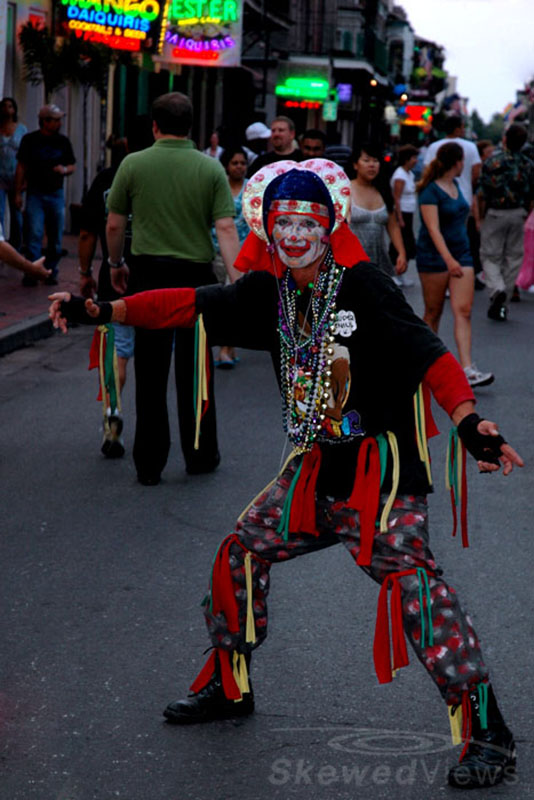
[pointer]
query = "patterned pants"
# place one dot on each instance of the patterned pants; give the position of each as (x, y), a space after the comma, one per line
(453, 660)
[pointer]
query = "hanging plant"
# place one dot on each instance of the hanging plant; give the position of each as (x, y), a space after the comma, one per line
(42, 59)
(86, 64)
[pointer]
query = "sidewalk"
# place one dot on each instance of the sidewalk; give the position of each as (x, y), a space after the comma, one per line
(23, 310)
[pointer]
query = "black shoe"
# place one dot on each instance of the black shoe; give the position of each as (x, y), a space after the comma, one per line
(479, 285)
(491, 755)
(51, 281)
(113, 444)
(148, 480)
(208, 705)
(497, 309)
(200, 467)
(112, 449)
(516, 297)
(29, 281)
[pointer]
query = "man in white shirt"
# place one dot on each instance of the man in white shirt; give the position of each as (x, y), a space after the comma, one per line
(454, 132)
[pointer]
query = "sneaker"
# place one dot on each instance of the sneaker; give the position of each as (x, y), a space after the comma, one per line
(516, 297)
(113, 443)
(497, 309)
(477, 378)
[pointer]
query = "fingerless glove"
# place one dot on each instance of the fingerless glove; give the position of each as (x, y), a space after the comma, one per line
(483, 447)
(74, 310)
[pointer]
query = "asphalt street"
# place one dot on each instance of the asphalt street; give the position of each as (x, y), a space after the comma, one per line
(102, 580)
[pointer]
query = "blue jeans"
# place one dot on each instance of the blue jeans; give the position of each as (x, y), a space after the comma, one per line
(15, 218)
(124, 340)
(45, 212)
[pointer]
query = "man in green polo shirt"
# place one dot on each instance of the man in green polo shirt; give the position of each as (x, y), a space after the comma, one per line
(175, 195)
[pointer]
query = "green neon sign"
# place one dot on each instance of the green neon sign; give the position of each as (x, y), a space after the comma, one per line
(206, 11)
(303, 88)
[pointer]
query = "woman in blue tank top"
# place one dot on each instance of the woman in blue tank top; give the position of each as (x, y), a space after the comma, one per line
(443, 256)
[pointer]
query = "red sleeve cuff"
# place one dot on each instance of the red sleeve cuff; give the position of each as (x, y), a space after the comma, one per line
(446, 379)
(162, 308)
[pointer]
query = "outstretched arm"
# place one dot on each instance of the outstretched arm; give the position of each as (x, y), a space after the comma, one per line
(159, 308)
(448, 384)
(243, 314)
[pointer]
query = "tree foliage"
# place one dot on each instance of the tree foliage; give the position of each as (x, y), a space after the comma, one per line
(493, 130)
(478, 126)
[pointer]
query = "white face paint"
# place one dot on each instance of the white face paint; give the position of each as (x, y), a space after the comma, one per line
(298, 240)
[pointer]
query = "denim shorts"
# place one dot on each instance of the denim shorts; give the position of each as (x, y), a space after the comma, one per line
(124, 340)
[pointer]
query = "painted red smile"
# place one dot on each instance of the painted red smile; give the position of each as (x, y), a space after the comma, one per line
(292, 251)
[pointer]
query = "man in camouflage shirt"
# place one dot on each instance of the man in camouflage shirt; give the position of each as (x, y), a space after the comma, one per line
(505, 194)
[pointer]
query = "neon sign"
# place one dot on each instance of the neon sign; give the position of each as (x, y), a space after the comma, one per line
(119, 24)
(303, 88)
(203, 32)
(301, 104)
(195, 11)
(420, 116)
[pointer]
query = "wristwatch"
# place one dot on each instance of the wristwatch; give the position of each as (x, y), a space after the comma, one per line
(116, 265)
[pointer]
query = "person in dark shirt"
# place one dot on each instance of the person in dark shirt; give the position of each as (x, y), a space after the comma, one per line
(354, 364)
(505, 194)
(283, 141)
(45, 158)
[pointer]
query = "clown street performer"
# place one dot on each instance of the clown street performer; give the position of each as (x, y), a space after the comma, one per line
(341, 336)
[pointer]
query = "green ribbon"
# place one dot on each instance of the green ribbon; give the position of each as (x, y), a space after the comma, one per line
(283, 526)
(109, 371)
(423, 580)
(382, 443)
(483, 703)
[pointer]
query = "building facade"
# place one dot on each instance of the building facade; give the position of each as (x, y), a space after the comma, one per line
(354, 68)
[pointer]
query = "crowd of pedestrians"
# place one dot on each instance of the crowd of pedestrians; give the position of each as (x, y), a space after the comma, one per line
(468, 201)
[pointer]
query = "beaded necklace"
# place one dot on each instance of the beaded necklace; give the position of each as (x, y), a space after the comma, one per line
(306, 360)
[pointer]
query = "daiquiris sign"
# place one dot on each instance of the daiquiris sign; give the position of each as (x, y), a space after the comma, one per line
(204, 32)
(137, 25)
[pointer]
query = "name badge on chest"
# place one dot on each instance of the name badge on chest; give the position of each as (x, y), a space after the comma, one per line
(345, 323)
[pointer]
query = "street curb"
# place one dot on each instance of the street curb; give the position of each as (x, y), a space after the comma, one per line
(25, 333)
